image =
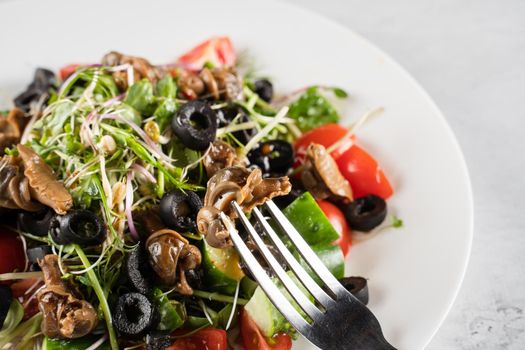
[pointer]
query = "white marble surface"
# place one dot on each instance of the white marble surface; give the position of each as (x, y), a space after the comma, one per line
(470, 57)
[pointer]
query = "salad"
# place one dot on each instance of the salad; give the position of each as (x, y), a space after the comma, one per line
(112, 179)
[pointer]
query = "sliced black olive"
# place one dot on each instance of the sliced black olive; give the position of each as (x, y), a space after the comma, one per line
(264, 88)
(296, 191)
(274, 156)
(195, 124)
(43, 80)
(36, 223)
(158, 341)
(366, 213)
(6, 296)
(34, 255)
(134, 315)
(227, 114)
(358, 286)
(195, 278)
(179, 210)
(78, 226)
(139, 272)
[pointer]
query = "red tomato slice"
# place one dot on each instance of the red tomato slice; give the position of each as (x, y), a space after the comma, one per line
(252, 338)
(325, 135)
(363, 173)
(66, 71)
(12, 256)
(205, 339)
(218, 51)
(338, 221)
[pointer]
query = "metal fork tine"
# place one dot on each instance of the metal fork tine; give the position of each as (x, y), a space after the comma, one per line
(292, 288)
(266, 283)
(314, 289)
(308, 254)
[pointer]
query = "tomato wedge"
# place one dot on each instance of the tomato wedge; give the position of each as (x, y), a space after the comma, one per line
(338, 221)
(364, 173)
(218, 50)
(252, 338)
(205, 339)
(12, 256)
(66, 71)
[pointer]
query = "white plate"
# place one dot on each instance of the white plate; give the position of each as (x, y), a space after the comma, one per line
(414, 273)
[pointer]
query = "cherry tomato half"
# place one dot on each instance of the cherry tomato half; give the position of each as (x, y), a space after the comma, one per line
(66, 71)
(338, 221)
(218, 51)
(205, 339)
(252, 339)
(363, 173)
(12, 256)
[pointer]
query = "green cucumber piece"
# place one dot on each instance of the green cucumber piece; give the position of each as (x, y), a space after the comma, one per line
(73, 344)
(310, 221)
(222, 269)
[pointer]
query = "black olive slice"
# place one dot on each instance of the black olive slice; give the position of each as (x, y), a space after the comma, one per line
(264, 88)
(158, 341)
(36, 223)
(195, 124)
(358, 286)
(78, 226)
(232, 112)
(366, 213)
(34, 255)
(179, 210)
(134, 315)
(195, 278)
(296, 191)
(6, 296)
(43, 80)
(138, 270)
(274, 156)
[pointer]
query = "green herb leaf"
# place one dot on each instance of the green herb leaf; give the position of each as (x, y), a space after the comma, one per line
(164, 113)
(140, 96)
(166, 87)
(312, 110)
(396, 222)
(339, 92)
(171, 315)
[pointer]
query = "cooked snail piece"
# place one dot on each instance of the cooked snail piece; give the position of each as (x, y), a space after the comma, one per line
(65, 314)
(170, 256)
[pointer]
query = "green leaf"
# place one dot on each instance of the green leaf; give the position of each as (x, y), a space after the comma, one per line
(164, 113)
(140, 96)
(167, 88)
(74, 344)
(312, 110)
(339, 92)
(396, 222)
(171, 315)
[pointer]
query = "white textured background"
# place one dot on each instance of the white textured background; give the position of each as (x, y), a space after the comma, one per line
(470, 57)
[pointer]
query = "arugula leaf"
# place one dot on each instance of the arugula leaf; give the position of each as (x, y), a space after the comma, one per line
(164, 113)
(396, 222)
(140, 96)
(312, 110)
(338, 92)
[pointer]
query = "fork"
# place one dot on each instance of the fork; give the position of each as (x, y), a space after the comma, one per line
(336, 320)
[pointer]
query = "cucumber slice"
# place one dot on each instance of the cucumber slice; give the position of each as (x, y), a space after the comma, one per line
(73, 344)
(222, 269)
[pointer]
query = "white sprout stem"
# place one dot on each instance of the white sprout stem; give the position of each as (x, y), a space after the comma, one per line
(95, 264)
(276, 120)
(105, 182)
(205, 310)
(99, 342)
(236, 127)
(234, 305)
(129, 204)
(352, 130)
